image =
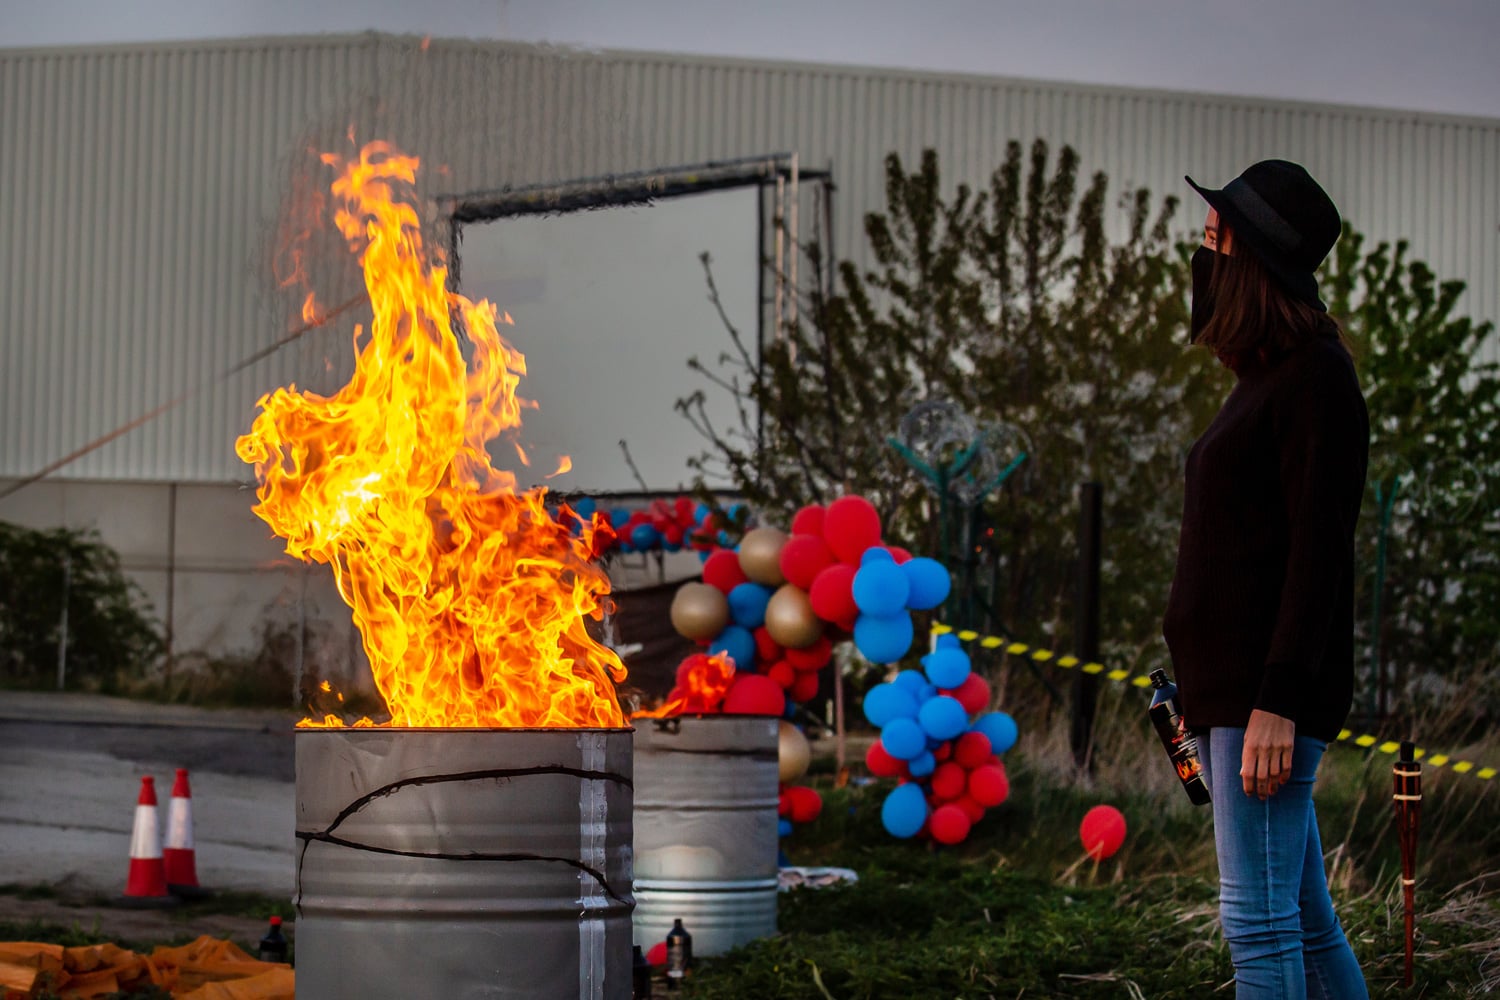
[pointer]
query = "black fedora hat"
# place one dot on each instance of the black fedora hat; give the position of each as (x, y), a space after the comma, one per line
(1279, 213)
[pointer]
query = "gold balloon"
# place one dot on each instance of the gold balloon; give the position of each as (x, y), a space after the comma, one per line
(760, 555)
(793, 752)
(699, 611)
(790, 618)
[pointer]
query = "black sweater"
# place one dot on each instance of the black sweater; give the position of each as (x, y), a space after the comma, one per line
(1262, 607)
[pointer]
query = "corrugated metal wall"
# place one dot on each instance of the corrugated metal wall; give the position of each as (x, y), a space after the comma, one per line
(145, 190)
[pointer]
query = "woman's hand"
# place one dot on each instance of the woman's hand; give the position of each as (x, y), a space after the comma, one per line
(1266, 763)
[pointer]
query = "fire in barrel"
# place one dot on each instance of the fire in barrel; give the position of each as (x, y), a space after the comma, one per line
(478, 845)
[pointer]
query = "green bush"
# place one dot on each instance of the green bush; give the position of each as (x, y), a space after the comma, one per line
(112, 635)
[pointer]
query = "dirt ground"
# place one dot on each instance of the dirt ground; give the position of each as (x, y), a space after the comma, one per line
(142, 928)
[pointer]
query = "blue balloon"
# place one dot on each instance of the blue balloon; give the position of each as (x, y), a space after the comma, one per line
(948, 641)
(943, 718)
(703, 555)
(585, 507)
(736, 511)
(723, 539)
(999, 729)
(618, 517)
(877, 554)
(644, 536)
(880, 589)
(885, 702)
(911, 681)
(747, 605)
(904, 811)
(928, 583)
(701, 512)
(946, 668)
(738, 643)
(903, 739)
(783, 828)
(883, 640)
(922, 765)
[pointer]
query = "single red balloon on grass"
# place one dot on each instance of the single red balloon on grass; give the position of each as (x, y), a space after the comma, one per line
(1102, 831)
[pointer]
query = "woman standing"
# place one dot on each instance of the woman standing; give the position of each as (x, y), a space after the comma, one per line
(1260, 622)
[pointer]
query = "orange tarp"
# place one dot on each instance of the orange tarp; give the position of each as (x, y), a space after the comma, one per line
(205, 969)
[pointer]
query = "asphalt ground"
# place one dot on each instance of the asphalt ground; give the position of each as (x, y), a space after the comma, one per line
(70, 773)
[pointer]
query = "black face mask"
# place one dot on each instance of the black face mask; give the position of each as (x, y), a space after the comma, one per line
(1203, 299)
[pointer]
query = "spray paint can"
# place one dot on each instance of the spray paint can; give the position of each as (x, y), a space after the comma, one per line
(1182, 748)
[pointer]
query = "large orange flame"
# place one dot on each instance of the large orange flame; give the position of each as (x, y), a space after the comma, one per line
(470, 598)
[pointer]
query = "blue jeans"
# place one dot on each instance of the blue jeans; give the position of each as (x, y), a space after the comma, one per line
(1284, 938)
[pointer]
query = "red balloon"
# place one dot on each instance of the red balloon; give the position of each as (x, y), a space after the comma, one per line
(971, 750)
(782, 673)
(1102, 832)
(988, 785)
(950, 824)
(722, 570)
(658, 953)
(973, 809)
(808, 521)
(832, 594)
(784, 802)
(803, 557)
(672, 534)
(883, 765)
(943, 750)
(811, 657)
(807, 804)
(973, 694)
(899, 554)
(851, 526)
(767, 650)
(949, 781)
(685, 509)
(805, 687)
(753, 694)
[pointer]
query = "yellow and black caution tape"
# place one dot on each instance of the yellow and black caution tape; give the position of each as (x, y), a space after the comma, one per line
(1120, 675)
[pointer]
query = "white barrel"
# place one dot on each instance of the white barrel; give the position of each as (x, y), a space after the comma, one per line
(463, 864)
(705, 829)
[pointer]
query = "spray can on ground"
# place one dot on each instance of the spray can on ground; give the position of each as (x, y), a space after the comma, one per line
(1182, 748)
(679, 953)
(273, 945)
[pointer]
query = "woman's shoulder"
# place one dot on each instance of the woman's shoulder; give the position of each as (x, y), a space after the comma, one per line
(1322, 363)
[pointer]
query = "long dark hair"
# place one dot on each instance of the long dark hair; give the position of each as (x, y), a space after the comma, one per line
(1255, 321)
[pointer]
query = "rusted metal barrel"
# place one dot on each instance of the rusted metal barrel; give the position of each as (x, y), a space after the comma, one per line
(463, 863)
(705, 829)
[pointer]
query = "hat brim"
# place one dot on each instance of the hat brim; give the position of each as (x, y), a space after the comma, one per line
(1299, 284)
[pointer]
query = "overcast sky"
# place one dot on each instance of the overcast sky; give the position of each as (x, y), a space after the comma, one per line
(1430, 55)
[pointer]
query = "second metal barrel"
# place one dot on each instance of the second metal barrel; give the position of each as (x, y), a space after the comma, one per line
(705, 829)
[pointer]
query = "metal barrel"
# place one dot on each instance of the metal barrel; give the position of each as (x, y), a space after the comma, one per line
(463, 863)
(705, 829)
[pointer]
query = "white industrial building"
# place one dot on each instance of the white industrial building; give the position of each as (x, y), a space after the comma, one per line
(149, 193)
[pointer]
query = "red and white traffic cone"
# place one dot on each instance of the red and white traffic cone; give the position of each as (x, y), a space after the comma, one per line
(146, 885)
(178, 853)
